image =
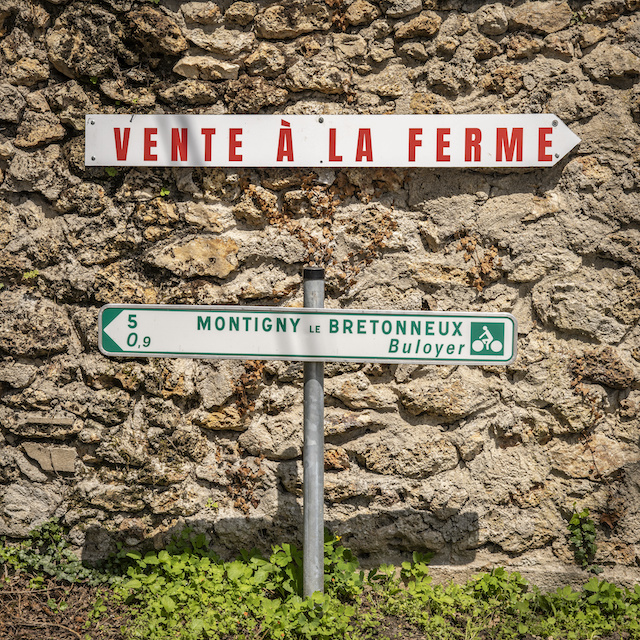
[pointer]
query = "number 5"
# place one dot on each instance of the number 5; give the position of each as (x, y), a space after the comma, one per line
(133, 323)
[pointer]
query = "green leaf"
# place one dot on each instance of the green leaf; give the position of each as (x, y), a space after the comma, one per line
(168, 604)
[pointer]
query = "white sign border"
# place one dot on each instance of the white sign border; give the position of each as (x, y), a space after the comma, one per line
(310, 311)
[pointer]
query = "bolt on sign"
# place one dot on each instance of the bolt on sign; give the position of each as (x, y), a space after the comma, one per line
(520, 140)
(321, 335)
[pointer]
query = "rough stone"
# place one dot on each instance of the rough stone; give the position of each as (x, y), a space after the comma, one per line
(55, 459)
(267, 60)
(201, 12)
(542, 17)
(25, 506)
(492, 19)
(12, 103)
(357, 392)
(81, 43)
(425, 25)
(361, 12)
(604, 366)
(307, 75)
(223, 42)
(602, 307)
(449, 399)
(18, 375)
(156, 31)
(403, 8)
(71, 103)
(28, 72)
(206, 68)
(250, 95)
(598, 455)
(37, 129)
(350, 46)
(193, 92)
(215, 257)
(608, 63)
(241, 12)
(42, 171)
(32, 327)
(290, 20)
(415, 453)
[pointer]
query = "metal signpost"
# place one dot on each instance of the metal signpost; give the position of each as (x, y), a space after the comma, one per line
(314, 334)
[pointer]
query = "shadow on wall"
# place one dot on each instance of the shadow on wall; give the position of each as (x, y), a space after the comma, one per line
(388, 534)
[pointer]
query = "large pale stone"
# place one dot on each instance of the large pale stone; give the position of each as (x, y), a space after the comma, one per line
(241, 12)
(426, 25)
(215, 257)
(449, 399)
(543, 17)
(201, 12)
(356, 391)
(25, 506)
(38, 129)
(206, 68)
(57, 459)
(598, 455)
(610, 63)
(32, 327)
(409, 452)
(492, 19)
(44, 171)
(223, 42)
(308, 75)
(601, 304)
(267, 60)
(361, 12)
(28, 72)
(403, 8)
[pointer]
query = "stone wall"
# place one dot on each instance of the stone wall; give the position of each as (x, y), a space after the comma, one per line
(483, 464)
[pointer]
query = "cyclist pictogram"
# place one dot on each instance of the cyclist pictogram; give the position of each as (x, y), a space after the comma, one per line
(487, 338)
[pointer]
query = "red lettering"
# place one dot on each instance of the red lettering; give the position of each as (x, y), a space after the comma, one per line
(234, 144)
(122, 146)
(364, 150)
(442, 144)
(207, 133)
(543, 144)
(150, 144)
(285, 145)
(333, 156)
(472, 138)
(178, 144)
(413, 143)
(509, 147)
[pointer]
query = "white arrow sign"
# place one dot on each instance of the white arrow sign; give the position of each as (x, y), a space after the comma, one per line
(538, 140)
(265, 333)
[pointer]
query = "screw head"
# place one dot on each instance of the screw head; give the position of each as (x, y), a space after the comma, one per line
(554, 123)
(93, 157)
(321, 120)
(92, 121)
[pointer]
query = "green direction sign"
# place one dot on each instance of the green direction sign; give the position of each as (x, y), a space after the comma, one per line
(267, 333)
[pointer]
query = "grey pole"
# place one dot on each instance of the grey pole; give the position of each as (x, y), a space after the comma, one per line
(313, 452)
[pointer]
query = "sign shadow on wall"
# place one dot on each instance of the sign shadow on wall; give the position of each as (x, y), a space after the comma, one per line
(390, 534)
